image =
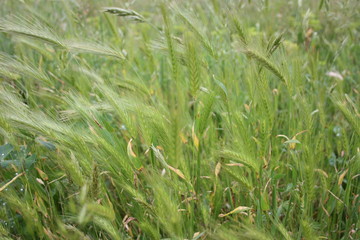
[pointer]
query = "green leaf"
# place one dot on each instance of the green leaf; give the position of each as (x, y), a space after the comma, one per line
(292, 141)
(7, 163)
(46, 144)
(5, 150)
(29, 161)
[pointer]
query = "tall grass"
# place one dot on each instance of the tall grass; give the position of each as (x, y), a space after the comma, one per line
(182, 120)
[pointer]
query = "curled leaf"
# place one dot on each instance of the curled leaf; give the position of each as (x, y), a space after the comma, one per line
(40, 181)
(129, 149)
(177, 171)
(292, 143)
(217, 169)
(42, 174)
(236, 210)
(342, 176)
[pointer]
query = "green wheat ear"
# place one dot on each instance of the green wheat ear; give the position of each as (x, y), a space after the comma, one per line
(239, 30)
(22, 27)
(195, 29)
(169, 41)
(125, 13)
(350, 114)
(205, 112)
(30, 28)
(265, 62)
(193, 65)
(14, 68)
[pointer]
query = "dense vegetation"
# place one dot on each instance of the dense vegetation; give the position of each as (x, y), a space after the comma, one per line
(188, 120)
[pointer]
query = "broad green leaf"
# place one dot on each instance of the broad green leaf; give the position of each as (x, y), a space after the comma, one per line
(5, 150)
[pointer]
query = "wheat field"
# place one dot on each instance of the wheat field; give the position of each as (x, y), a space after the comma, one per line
(160, 119)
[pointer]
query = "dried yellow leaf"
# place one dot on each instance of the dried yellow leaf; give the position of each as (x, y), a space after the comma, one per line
(160, 148)
(236, 210)
(177, 171)
(234, 164)
(183, 139)
(42, 174)
(341, 178)
(195, 139)
(129, 148)
(293, 144)
(217, 169)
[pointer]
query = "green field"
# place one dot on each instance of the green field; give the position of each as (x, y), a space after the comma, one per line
(206, 119)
